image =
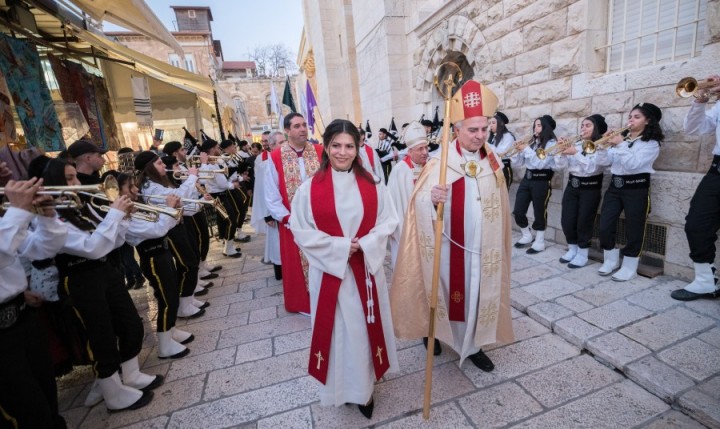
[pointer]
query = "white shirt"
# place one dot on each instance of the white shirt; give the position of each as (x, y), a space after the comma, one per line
(503, 145)
(625, 160)
(107, 236)
(44, 241)
(219, 183)
(141, 230)
(698, 121)
(374, 167)
(579, 165)
(186, 190)
(529, 158)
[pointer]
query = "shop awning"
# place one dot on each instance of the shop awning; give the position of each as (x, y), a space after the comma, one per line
(131, 14)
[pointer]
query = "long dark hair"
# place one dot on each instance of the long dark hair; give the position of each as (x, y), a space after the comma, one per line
(150, 173)
(55, 176)
(342, 126)
(546, 134)
(500, 131)
(652, 130)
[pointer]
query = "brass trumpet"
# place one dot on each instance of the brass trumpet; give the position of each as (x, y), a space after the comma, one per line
(215, 202)
(689, 86)
(515, 148)
(207, 174)
(195, 159)
(602, 142)
(65, 197)
(561, 146)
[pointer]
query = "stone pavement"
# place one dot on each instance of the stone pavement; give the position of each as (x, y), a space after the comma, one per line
(589, 353)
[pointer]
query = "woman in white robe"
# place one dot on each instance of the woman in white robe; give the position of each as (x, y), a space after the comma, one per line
(352, 363)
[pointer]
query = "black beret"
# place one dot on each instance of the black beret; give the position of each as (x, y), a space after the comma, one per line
(143, 159)
(208, 144)
(649, 110)
(226, 144)
(125, 150)
(503, 117)
(548, 120)
(426, 123)
(384, 130)
(169, 161)
(599, 123)
(81, 147)
(172, 147)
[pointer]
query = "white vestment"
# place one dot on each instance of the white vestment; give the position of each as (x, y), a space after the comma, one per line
(351, 375)
(374, 167)
(260, 211)
(400, 187)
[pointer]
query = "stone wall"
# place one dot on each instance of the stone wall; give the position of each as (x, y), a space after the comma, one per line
(199, 46)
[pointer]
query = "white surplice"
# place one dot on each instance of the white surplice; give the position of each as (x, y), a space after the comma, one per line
(351, 374)
(400, 187)
(260, 211)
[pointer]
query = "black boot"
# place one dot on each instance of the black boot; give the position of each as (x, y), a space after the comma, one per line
(278, 271)
(482, 361)
(437, 350)
(367, 409)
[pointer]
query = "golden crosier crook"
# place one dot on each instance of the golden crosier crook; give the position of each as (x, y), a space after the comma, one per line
(452, 78)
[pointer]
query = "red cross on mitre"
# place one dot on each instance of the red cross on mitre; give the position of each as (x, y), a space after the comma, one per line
(471, 100)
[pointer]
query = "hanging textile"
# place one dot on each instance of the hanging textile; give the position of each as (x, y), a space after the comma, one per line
(20, 64)
(141, 99)
(105, 113)
(8, 134)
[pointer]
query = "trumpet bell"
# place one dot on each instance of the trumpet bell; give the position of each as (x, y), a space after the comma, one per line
(686, 87)
(589, 147)
(540, 152)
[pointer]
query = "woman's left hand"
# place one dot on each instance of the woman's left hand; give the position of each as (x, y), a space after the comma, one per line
(354, 246)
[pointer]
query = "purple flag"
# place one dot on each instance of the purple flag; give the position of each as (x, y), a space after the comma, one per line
(310, 103)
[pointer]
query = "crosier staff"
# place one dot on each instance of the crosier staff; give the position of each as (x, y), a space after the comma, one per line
(453, 75)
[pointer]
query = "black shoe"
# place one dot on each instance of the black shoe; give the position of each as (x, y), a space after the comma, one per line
(194, 315)
(532, 251)
(235, 255)
(139, 284)
(210, 276)
(144, 400)
(437, 350)
(216, 268)
(188, 340)
(245, 239)
(367, 409)
(209, 285)
(563, 261)
(159, 379)
(684, 295)
(205, 305)
(278, 271)
(520, 245)
(177, 355)
(201, 293)
(482, 361)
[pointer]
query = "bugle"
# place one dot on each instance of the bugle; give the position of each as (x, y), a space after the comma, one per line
(562, 145)
(215, 202)
(195, 159)
(515, 148)
(602, 142)
(689, 86)
(64, 197)
(207, 174)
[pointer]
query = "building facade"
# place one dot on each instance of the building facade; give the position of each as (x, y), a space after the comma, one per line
(566, 58)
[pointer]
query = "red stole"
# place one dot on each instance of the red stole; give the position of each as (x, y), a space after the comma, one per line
(371, 158)
(264, 155)
(295, 294)
(322, 200)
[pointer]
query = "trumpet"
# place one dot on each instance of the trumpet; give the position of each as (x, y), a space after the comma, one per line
(207, 174)
(515, 148)
(215, 202)
(689, 86)
(195, 159)
(560, 147)
(65, 197)
(183, 200)
(602, 142)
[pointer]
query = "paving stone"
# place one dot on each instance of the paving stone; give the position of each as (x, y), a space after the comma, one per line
(268, 291)
(620, 405)
(581, 275)
(521, 300)
(533, 274)
(255, 304)
(291, 342)
(606, 292)
(525, 327)
(658, 378)
(673, 420)
(520, 358)
(551, 254)
(519, 263)
(396, 398)
(441, 417)
(262, 315)
(404, 344)
(568, 380)
(213, 312)
(200, 326)
(253, 351)
(247, 407)
(203, 343)
(515, 313)
(616, 349)
(575, 304)
(693, 357)
(74, 417)
(255, 374)
(295, 419)
(66, 397)
(413, 359)
(499, 405)
(267, 329)
(656, 298)
(576, 331)
(711, 337)
(201, 363)
(614, 315)
(701, 403)
(156, 423)
(666, 328)
(547, 313)
(550, 289)
(708, 307)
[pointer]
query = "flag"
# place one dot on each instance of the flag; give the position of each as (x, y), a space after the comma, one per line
(287, 97)
(436, 120)
(368, 131)
(275, 105)
(393, 130)
(311, 104)
(189, 142)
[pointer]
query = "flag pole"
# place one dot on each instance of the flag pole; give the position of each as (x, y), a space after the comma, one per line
(450, 79)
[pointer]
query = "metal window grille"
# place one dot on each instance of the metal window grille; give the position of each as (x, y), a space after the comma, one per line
(655, 236)
(649, 32)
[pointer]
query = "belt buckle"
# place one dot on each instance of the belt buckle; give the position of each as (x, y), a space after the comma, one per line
(618, 182)
(9, 315)
(575, 182)
(528, 174)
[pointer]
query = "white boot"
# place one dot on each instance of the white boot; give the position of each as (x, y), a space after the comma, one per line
(169, 348)
(526, 238)
(202, 283)
(580, 259)
(703, 286)
(230, 249)
(202, 272)
(182, 337)
(131, 376)
(94, 396)
(199, 304)
(628, 270)
(611, 262)
(539, 243)
(207, 266)
(120, 397)
(187, 310)
(570, 254)
(199, 290)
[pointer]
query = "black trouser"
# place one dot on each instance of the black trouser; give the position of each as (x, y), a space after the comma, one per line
(703, 219)
(240, 200)
(536, 190)
(108, 315)
(507, 172)
(192, 235)
(197, 227)
(28, 396)
(579, 208)
(130, 267)
(635, 202)
(186, 260)
(157, 265)
(387, 168)
(227, 227)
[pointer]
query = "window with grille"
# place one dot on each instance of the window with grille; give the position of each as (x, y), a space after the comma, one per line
(174, 60)
(648, 32)
(190, 63)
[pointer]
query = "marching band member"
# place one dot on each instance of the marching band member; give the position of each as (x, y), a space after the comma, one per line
(99, 297)
(341, 218)
(703, 218)
(502, 140)
(238, 171)
(151, 241)
(219, 187)
(153, 181)
(385, 151)
(369, 157)
(535, 185)
(28, 397)
(630, 161)
(582, 195)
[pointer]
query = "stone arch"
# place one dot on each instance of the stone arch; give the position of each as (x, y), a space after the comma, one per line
(458, 39)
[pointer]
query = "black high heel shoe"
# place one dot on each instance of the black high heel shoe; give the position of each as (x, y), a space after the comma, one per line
(367, 409)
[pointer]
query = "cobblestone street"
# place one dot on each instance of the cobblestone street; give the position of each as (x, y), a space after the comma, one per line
(590, 353)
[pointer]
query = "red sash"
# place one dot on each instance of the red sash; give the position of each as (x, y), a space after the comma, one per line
(456, 306)
(371, 158)
(264, 155)
(322, 201)
(409, 162)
